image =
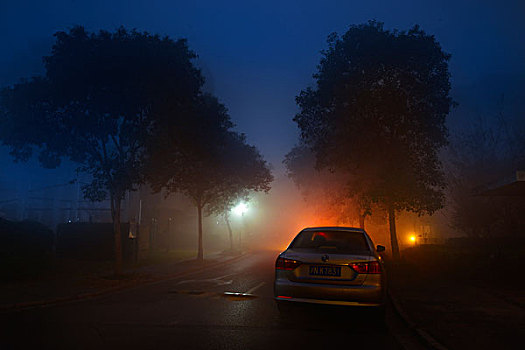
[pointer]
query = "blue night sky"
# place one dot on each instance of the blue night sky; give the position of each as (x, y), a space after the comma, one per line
(257, 56)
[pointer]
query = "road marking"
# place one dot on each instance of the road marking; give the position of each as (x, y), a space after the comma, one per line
(250, 291)
(217, 280)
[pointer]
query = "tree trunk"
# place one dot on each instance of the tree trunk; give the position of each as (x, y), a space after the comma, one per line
(227, 219)
(393, 234)
(115, 211)
(240, 236)
(200, 251)
(362, 222)
(168, 236)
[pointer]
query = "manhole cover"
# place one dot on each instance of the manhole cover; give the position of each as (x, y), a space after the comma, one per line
(238, 296)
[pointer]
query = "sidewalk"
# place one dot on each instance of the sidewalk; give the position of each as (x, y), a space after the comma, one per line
(61, 287)
(460, 313)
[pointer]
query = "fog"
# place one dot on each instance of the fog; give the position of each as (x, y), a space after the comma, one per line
(276, 218)
(256, 59)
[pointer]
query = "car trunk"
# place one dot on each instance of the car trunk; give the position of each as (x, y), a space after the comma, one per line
(334, 270)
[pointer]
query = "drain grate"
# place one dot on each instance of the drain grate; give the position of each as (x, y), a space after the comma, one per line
(238, 296)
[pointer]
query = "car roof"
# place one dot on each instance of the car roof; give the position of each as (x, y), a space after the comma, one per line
(333, 228)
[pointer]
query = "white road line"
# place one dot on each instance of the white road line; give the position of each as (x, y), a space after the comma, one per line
(216, 279)
(250, 291)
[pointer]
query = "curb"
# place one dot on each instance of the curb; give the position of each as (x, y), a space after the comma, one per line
(424, 337)
(92, 295)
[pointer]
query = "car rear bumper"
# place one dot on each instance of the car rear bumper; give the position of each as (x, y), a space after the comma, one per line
(328, 302)
(362, 295)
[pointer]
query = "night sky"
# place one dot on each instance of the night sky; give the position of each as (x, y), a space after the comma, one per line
(257, 56)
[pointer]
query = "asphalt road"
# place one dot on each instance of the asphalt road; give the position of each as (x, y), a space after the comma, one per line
(192, 312)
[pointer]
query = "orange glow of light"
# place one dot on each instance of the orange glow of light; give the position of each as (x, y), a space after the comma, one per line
(413, 239)
(301, 217)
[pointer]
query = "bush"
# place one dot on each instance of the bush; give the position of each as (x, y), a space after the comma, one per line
(91, 241)
(26, 248)
(490, 260)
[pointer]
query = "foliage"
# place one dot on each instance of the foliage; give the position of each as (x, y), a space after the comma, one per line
(320, 188)
(329, 191)
(217, 170)
(377, 115)
(478, 158)
(26, 249)
(100, 101)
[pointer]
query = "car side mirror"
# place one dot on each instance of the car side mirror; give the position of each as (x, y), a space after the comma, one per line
(380, 248)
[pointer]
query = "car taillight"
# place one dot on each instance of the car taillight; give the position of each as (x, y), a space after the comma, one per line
(367, 267)
(286, 264)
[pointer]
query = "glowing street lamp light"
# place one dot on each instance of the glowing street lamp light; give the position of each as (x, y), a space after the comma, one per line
(240, 209)
(413, 239)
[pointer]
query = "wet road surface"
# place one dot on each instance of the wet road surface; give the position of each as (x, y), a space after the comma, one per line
(193, 312)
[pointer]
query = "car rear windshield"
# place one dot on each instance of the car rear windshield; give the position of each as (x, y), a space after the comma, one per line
(339, 242)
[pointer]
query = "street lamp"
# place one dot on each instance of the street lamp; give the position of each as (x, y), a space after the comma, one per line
(239, 210)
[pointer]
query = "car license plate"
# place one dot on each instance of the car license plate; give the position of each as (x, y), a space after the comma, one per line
(329, 271)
